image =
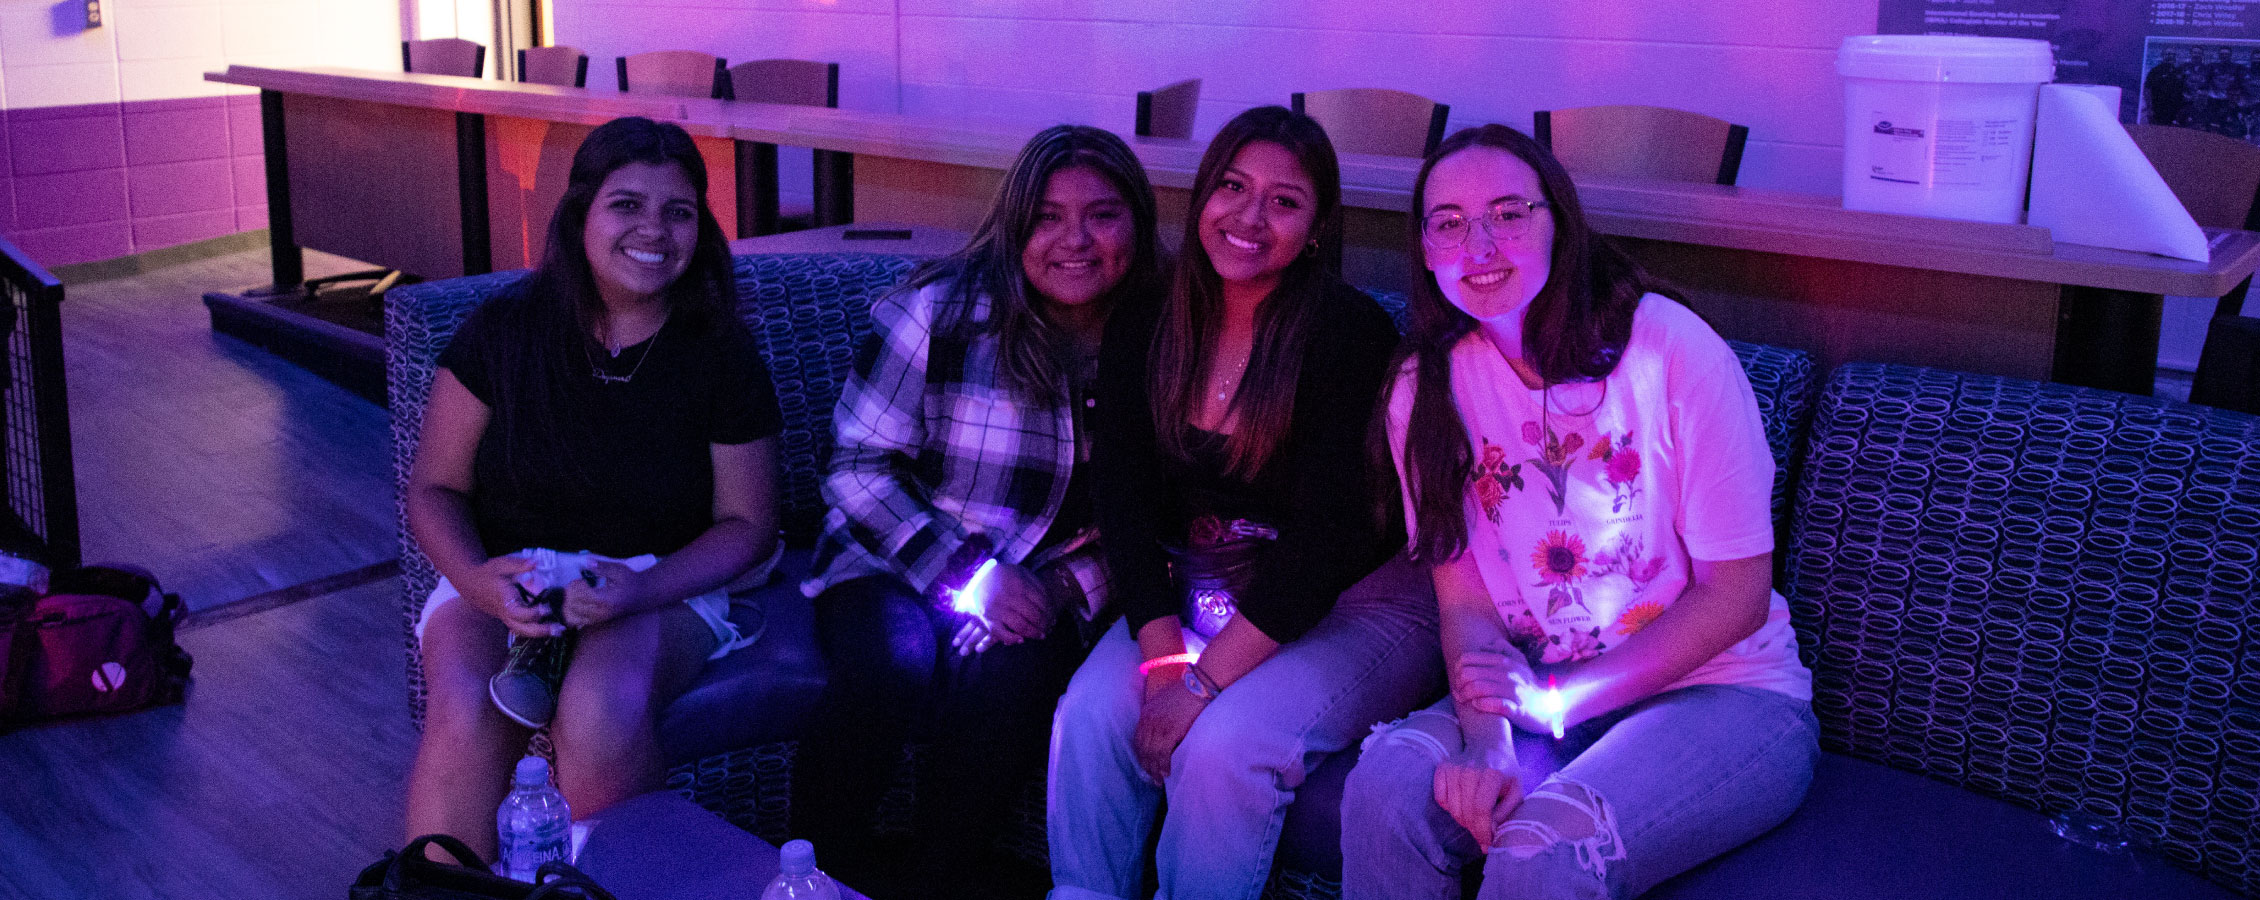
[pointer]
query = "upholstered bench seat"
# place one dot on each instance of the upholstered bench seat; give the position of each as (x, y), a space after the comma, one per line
(1871, 832)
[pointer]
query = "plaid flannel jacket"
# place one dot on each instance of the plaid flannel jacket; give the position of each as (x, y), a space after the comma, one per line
(930, 450)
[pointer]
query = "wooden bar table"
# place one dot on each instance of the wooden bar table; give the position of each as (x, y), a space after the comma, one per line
(1791, 269)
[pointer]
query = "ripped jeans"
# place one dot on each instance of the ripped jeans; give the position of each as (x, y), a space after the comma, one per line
(1667, 783)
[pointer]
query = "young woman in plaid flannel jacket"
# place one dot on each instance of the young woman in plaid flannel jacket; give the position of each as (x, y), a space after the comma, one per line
(962, 449)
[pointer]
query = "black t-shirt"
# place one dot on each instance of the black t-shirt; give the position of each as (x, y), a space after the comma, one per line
(643, 442)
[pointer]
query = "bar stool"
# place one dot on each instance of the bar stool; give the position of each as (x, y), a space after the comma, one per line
(2217, 178)
(1647, 141)
(444, 56)
(676, 73)
(795, 82)
(1376, 121)
(1167, 112)
(561, 66)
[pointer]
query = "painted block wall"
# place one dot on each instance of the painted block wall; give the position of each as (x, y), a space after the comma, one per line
(113, 143)
(1764, 63)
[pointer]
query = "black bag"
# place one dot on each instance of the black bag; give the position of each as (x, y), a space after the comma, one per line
(92, 645)
(407, 875)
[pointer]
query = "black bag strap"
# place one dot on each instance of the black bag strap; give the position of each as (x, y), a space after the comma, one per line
(560, 880)
(462, 852)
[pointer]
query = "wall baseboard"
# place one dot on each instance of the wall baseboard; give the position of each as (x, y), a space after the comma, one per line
(164, 257)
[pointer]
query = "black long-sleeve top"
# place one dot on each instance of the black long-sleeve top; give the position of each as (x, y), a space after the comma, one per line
(1315, 489)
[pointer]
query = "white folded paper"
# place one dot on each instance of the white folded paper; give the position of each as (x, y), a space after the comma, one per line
(2092, 185)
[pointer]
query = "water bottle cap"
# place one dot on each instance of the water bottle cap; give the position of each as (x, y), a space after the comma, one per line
(797, 858)
(533, 771)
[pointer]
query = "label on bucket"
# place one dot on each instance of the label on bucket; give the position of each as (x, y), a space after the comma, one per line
(1945, 153)
(1974, 152)
(1897, 152)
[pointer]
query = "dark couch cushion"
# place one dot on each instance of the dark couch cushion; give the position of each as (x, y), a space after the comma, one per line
(761, 694)
(1869, 831)
(2043, 593)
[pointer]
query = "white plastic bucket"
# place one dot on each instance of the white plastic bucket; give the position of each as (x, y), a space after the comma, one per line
(1940, 125)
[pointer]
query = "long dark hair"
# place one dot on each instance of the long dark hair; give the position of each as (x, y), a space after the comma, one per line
(549, 324)
(1185, 336)
(1574, 330)
(1028, 343)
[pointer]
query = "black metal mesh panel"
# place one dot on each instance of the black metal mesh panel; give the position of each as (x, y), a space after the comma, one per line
(42, 500)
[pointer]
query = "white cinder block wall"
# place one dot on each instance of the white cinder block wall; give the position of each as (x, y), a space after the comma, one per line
(1768, 64)
(1763, 63)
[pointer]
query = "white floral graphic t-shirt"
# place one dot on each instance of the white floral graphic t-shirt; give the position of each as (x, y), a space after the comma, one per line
(1587, 501)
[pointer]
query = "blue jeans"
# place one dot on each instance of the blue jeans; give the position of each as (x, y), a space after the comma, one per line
(1670, 781)
(1373, 658)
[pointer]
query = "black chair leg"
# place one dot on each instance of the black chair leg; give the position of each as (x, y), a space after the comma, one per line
(2228, 371)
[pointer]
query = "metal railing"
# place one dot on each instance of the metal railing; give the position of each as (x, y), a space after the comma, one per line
(42, 509)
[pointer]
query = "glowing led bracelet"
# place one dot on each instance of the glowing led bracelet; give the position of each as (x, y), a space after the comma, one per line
(973, 597)
(1187, 658)
(1549, 707)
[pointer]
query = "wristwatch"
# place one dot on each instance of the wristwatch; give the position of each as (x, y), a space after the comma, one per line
(1199, 683)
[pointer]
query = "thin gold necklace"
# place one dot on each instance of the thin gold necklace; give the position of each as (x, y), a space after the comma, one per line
(609, 378)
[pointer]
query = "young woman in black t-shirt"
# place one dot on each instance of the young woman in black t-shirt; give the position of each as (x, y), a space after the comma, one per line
(611, 404)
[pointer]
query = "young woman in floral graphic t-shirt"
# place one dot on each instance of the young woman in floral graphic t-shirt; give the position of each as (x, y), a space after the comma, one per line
(1584, 468)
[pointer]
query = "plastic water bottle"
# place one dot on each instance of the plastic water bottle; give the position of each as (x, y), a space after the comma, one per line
(533, 823)
(797, 876)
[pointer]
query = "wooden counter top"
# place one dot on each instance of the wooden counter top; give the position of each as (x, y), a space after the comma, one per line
(1702, 215)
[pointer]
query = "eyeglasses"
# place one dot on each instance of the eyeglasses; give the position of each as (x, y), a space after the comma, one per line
(1507, 221)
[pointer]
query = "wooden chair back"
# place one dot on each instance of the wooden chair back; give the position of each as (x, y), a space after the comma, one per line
(561, 66)
(1648, 141)
(2215, 176)
(1167, 112)
(444, 56)
(1378, 121)
(675, 73)
(798, 82)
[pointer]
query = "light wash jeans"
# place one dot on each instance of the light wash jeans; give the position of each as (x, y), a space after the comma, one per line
(1671, 781)
(1371, 659)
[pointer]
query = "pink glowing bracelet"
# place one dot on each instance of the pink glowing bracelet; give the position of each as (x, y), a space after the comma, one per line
(1186, 658)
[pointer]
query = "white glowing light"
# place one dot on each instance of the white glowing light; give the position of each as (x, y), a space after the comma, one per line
(973, 597)
(1545, 704)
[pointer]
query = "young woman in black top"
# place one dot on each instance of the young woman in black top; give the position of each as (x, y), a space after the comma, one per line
(609, 409)
(1233, 437)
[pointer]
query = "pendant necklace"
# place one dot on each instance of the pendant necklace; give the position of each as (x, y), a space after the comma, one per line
(609, 378)
(1546, 407)
(1224, 394)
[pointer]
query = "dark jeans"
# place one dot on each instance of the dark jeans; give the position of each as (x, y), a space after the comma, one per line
(986, 720)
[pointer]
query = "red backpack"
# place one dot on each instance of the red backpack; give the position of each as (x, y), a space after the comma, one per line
(92, 645)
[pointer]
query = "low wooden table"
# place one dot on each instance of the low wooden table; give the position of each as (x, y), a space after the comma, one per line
(662, 847)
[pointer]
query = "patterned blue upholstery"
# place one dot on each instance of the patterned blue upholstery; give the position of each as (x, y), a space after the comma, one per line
(2041, 593)
(808, 312)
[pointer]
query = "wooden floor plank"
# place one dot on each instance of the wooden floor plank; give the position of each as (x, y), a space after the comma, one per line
(227, 472)
(280, 776)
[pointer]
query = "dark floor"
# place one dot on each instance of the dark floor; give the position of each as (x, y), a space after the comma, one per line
(224, 470)
(229, 474)
(279, 778)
